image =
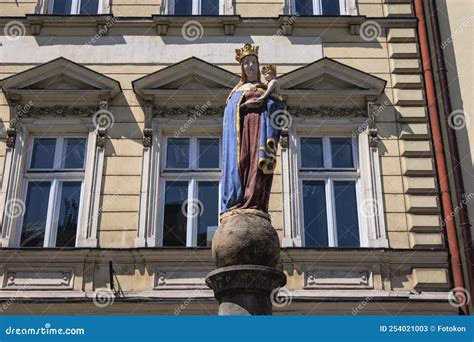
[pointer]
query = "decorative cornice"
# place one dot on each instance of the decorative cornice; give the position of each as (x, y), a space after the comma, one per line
(328, 111)
(188, 111)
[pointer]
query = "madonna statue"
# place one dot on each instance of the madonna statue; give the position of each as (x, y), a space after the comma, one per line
(250, 139)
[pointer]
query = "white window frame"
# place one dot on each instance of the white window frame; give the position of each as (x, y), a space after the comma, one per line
(196, 8)
(75, 7)
(56, 179)
(193, 175)
(16, 162)
(370, 188)
(347, 7)
(329, 175)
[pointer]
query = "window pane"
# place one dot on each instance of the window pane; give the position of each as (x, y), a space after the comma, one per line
(209, 7)
(312, 152)
(175, 220)
(36, 211)
(341, 151)
(68, 214)
(346, 214)
(177, 154)
(304, 7)
(90, 7)
(73, 154)
(331, 7)
(183, 7)
(208, 154)
(62, 7)
(208, 196)
(43, 153)
(315, 217)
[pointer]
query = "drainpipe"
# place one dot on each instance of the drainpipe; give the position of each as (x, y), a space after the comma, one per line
(442, 173)
(453, 146)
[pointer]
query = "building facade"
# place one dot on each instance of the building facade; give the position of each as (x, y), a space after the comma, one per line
(111, 123)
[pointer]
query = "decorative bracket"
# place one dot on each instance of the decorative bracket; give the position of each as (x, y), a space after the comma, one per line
(229, 26)
(102, 29)
(35, 28)
(373, 137)
(161, 27)
(103, 25)
(101, 137)
(147, 137)
(11, 137)
(284, 142)
(103, 104)
(102, 130)
(355, 29)
(286, 28)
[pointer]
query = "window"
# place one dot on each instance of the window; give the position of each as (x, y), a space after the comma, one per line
(196, 7)
(329, 183)
(318, 7)
(190, 183)
(66, 7)
(54, 182)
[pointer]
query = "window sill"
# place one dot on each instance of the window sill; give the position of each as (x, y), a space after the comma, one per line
(38, 21)
(229, 22)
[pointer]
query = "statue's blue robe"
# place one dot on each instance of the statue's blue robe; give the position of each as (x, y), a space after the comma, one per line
(232, 191)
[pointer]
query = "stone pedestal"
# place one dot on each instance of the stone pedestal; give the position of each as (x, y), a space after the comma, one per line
(245, 289)
(246, 249)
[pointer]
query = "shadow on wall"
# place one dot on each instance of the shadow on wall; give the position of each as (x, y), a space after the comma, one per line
(167, 40)
(86, 40)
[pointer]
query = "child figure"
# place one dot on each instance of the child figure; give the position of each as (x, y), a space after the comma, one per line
(273, 87)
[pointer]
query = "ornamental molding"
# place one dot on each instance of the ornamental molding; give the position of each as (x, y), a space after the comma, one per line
(179, 280)
(338, 278)
(38, 279)
(63, 111)
(321, 111)
(328, 111)
(188, 111)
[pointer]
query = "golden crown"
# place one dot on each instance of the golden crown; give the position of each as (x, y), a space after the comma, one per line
(247, 50)
(269, 68)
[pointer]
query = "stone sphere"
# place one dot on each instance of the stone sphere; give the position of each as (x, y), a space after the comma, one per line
(246, 237)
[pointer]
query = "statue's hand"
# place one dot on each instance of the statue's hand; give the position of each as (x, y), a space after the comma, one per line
(253, 103)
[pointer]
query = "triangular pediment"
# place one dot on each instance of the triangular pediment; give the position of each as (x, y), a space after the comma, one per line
(193, 81)
(190, 75)
(326, 82)
(60, 80)
(327, 74)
